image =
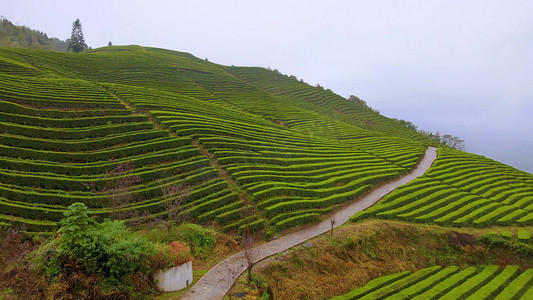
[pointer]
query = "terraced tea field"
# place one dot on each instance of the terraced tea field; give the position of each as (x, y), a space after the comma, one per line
(254, 156)
(259, 149)
(324, 102)
(118, 128)
(58, 136)
(449, 283)
(461, 189)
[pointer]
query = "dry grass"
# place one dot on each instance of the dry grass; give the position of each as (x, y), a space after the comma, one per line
(225, 247)
(327, 266)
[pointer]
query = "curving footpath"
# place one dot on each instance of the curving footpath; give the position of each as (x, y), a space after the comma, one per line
(216, 283)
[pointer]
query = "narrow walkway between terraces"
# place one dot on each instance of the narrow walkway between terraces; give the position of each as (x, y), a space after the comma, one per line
(216, 283)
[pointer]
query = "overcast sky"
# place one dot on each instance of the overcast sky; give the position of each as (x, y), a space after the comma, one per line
(459, 67)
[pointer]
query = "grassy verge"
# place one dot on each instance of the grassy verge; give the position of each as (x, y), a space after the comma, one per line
(357, 253)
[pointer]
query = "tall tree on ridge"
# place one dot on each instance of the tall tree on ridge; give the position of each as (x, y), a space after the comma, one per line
(76, 43)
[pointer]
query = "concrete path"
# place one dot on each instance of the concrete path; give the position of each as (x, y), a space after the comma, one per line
(216, 283)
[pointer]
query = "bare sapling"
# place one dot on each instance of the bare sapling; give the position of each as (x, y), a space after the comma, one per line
(174, 196)
(249, 254)
(332, 221)
(118, 187)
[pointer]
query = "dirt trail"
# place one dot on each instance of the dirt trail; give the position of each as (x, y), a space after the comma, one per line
(215, 283)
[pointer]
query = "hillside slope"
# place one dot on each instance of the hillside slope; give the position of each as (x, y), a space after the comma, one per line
(254, 146)
(461, 189)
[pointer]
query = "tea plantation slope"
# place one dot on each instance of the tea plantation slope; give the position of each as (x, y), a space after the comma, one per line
(68, 120)
(461, 189)
(286, 173)
(449, 283)
(186, 75)
(59, 137)
(12, 64)
(300, 94)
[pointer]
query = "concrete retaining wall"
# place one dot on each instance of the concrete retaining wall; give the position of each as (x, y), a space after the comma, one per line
(175, 278)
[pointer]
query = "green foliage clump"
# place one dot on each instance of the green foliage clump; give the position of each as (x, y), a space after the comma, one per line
(168, 256)
(108, 248)
(517, 246)
(261, 284)
(107, 252)
(200, 239)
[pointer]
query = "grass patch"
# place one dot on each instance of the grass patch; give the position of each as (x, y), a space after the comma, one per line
(327, 266)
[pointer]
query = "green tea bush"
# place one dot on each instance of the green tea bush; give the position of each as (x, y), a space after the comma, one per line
(235, 225)
(252, 227)
(297, 220)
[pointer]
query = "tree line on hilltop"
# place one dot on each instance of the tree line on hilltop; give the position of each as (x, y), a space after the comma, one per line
(16, 36)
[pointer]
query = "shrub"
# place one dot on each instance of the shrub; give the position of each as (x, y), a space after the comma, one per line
(515, 245)
(201, 240)
(105, 256)
(171, 255)
(107, 248)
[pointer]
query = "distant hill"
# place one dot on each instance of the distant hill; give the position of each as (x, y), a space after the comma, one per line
(15, 36)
